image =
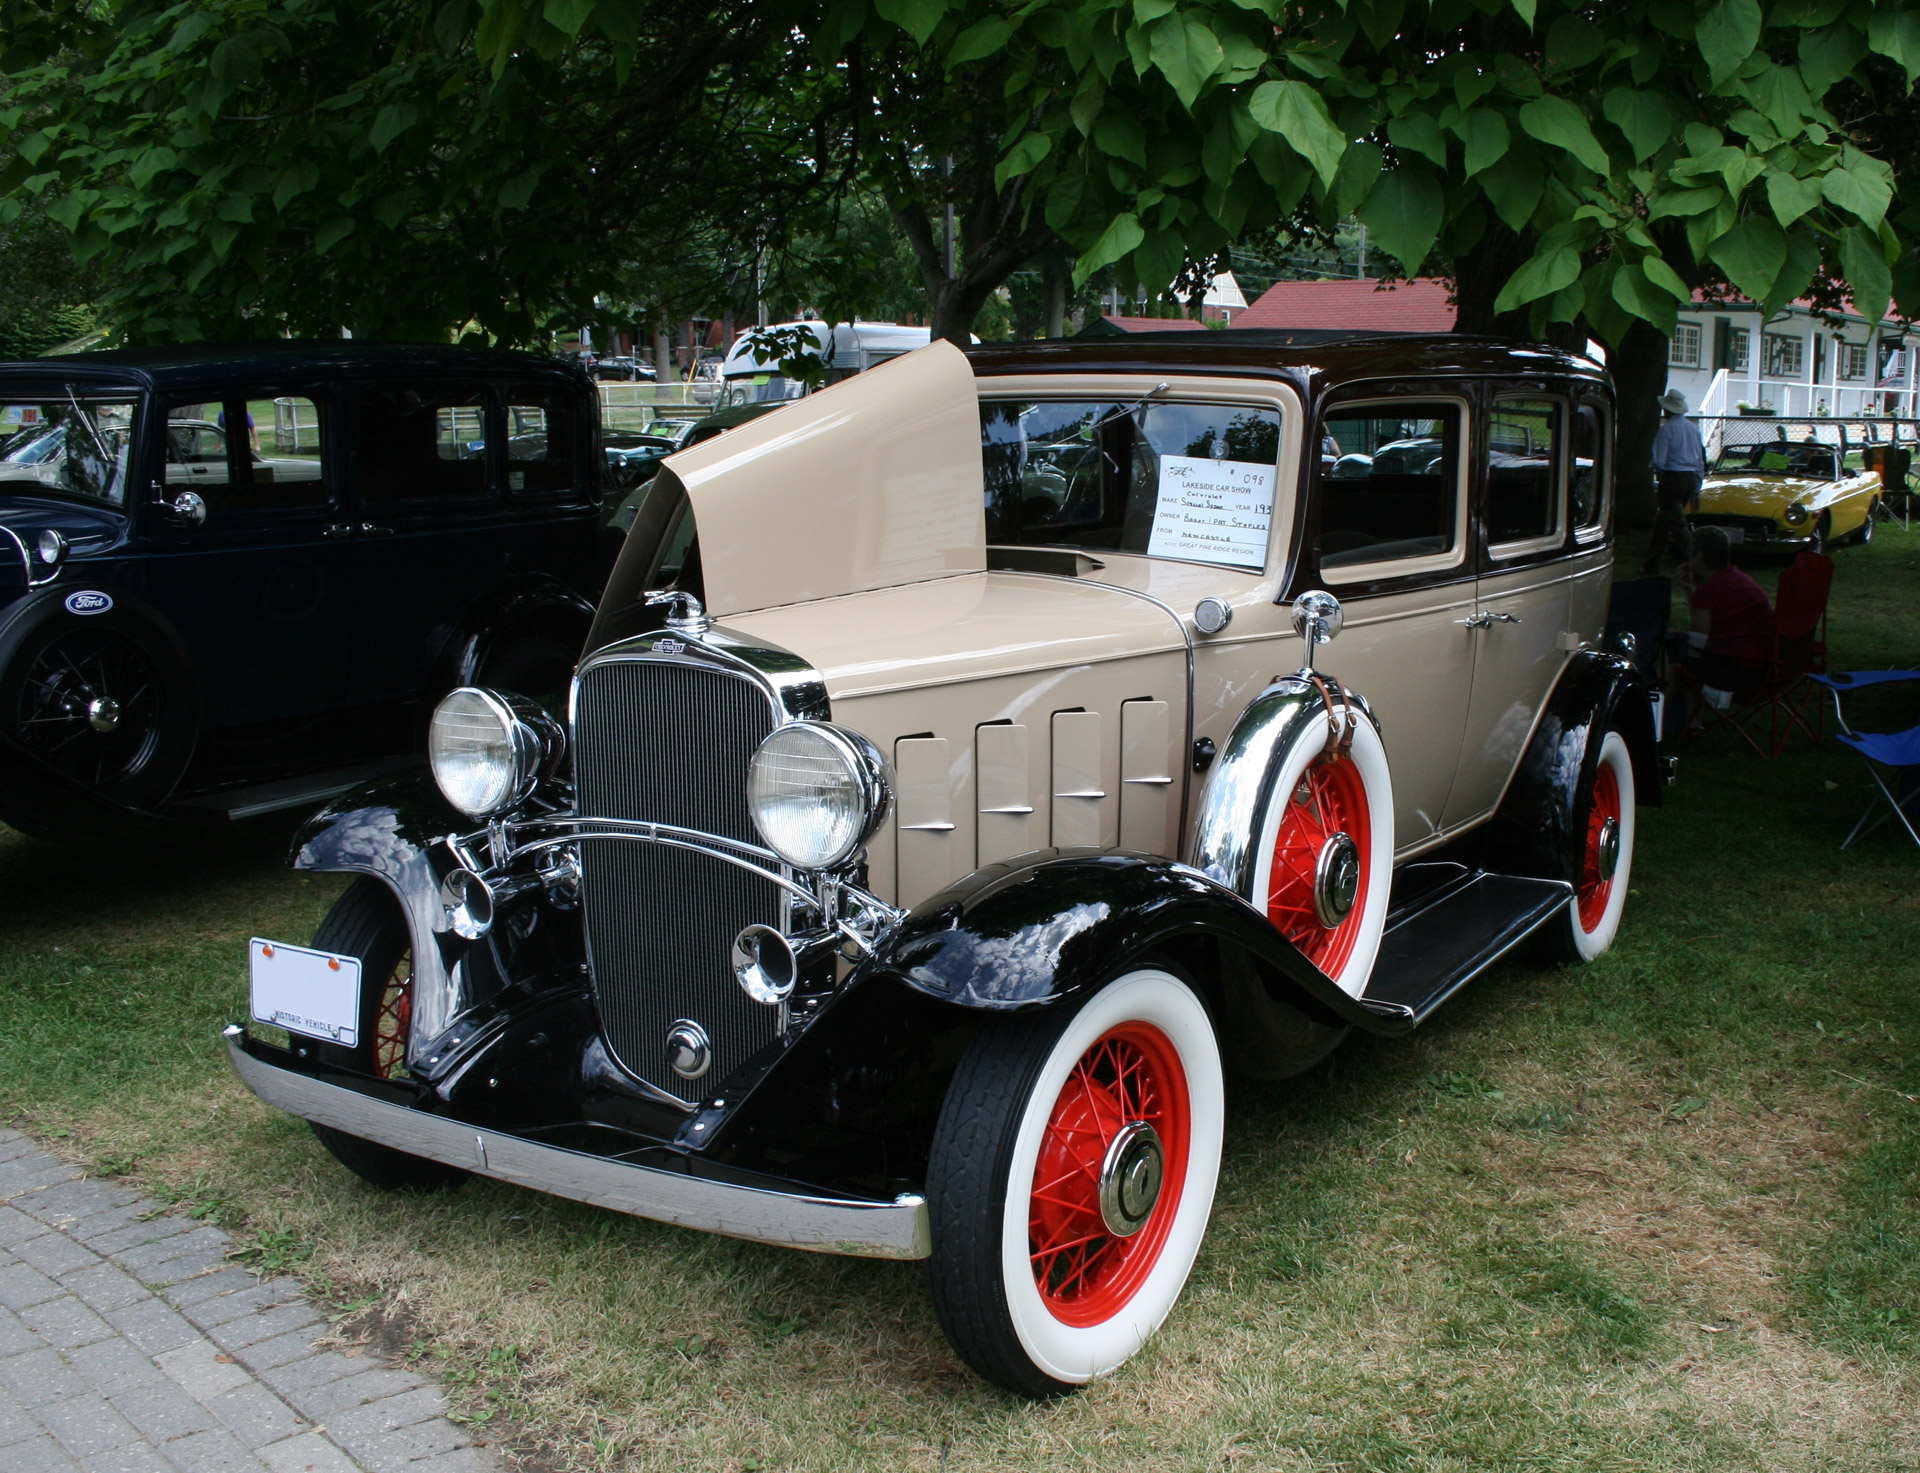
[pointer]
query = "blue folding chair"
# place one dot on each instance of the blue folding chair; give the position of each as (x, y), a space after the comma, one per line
(1899, 750)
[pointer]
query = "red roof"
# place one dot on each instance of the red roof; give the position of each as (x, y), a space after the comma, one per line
(1155, 324)
(1363, 306)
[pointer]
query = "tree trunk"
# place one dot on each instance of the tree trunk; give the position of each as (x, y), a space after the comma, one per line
(1478, 277)
(662, 352)
(1639, 365)
(1053, 276)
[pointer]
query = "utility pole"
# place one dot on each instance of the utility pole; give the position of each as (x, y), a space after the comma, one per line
(1363, 253)
(760, 287)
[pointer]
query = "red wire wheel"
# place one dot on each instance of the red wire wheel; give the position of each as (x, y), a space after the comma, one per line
(1596, 889)
(1086, 1273)
(1330, 798)
(393, 1023)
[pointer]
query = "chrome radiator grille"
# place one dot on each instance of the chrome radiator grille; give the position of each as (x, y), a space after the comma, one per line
(659, 740)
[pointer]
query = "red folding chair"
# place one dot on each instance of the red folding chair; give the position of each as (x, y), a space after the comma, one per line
(1783, 696)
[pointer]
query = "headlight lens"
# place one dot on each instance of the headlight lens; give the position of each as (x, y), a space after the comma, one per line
(487, 754)
(1796, 513)
(817, 793)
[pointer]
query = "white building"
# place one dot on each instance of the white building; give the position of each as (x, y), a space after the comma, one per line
(1798, 362)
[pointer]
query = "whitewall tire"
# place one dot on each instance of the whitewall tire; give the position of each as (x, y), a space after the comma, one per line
(1605, 820)
(1071, 1179)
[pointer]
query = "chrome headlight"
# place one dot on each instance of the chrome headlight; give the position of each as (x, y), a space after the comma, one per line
(489, 749)
(1797, 513)
(817, 793)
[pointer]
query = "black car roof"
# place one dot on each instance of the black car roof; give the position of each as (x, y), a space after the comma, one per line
(1333, 356)
(190, 365)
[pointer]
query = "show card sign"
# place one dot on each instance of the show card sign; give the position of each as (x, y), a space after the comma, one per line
(1213, 511)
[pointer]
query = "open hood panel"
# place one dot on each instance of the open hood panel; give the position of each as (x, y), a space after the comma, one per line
(872, 483)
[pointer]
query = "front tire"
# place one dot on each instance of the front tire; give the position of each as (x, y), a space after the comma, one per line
(1070, 1181)
(1591, 919)
(367, 922)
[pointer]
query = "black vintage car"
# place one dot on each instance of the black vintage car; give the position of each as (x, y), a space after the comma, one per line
(235, 579)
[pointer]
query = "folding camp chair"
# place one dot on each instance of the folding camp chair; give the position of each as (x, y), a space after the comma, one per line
(1898, 750)
(1799, 651)
(1896, 491)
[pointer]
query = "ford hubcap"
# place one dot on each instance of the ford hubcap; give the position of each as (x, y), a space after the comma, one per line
(1607, 859)
(103, 713)
(1130, 1178)
(1336, 880)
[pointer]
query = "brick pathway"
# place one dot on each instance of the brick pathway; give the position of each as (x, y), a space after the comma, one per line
(128, 1344)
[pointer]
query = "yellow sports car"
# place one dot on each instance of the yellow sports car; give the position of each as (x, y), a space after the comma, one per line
(1788, 493)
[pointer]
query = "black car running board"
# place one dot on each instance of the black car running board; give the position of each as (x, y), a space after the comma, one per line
(1456, 924)
(307, 791)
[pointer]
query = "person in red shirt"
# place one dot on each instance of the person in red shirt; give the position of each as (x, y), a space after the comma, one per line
(1731, 642)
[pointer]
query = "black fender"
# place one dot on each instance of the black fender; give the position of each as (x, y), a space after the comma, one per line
(37, 797)
(535, 605)
(1533, 832)
(1048, 927)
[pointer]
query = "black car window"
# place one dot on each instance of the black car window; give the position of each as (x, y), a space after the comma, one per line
(422, 445)
(66, 445)
(1389, 483)
(1589, 479)
(541, 433)
(1523, 469)
(1188, 481)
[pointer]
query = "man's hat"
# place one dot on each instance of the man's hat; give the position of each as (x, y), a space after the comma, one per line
(1674, 402)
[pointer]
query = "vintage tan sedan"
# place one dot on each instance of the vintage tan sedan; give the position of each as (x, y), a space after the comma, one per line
(970, 763)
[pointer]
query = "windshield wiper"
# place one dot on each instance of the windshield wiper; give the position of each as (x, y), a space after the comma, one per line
(93, 434)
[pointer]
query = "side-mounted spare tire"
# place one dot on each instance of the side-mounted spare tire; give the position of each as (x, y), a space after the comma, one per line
(96, 693)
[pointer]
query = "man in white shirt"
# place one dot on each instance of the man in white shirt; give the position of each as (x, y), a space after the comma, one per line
(1679, 461)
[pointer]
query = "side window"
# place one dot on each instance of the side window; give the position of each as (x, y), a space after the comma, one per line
(542, 432)
(196, 451)
(1523, 469)
(239, 455)
(1188, 481)
(1389, 483)
(421, 445)
(1590, 468)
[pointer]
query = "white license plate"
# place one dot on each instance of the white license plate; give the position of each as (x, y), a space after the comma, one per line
(305, 991)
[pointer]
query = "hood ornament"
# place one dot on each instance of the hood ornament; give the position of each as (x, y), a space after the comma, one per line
(684, 611)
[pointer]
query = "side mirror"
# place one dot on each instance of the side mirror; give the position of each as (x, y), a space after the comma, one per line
(188, 509)
(1317, 618)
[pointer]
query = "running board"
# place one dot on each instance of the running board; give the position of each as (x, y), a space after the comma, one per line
(1457, 924)
(294, 792)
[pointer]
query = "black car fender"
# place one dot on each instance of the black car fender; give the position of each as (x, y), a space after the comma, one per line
(1533, 833)
(534, 606)
(1051, 926)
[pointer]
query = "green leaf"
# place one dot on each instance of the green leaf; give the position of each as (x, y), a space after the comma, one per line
(1869, 279)
(1643, 117)
(1485, 134)
(1664, 276)
(1358, 170)
(1417, 132)
(295, 180)
(1572, 42)
(1514, 185)
(1122, 237)
(1085, 109)
(1894, 32)
(1751, 254)
(1022, 158)
(1555, 121)
(1145, 12)
(1403, 212)
(1295, 112)
(1540, 276)
(1859, 191)
(1727, 34)
(1525, 10)
(235, 60)
(1790, 197)
(391, 121)
(329, 235)
(1671, 202)
(1186, 53)
(918, 18)
(1827, 54)
(1120, 134)
(1158, 259)
(1803, 259)
(980, 40)
(567, 15)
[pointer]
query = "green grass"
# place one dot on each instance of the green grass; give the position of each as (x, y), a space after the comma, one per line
(1656, 1213)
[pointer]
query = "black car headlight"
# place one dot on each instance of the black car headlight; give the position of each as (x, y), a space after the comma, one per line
(817, 793)
(489, 749)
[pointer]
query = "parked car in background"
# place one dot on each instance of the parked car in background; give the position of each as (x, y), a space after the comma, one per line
(632, 456)
(624, 369)
(191, 626)
(1786, 484)
(917, 851)
(840, 349)
(646, 464)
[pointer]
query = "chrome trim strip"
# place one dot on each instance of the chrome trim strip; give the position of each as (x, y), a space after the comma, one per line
(861, 1229)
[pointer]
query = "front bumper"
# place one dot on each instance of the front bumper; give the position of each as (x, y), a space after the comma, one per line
(857, 1227)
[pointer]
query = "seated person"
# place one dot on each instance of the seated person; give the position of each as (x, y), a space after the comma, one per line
(1731, 641)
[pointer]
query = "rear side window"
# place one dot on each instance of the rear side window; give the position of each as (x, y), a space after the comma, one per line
(422, 445)
(542, 431)
(240, 454)
(1590, 469)
(1389, 483)
(1523, 469)
(1188, 481)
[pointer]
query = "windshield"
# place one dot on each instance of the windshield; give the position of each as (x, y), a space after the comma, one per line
(762, 388)
(66, 447)
(1801, 458)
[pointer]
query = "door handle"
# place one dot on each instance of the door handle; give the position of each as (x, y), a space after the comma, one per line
(367, 529)
(1503, 618)
(339, 529)
(1475, 621)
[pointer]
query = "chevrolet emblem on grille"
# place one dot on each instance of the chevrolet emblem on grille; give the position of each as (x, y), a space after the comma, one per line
(668, 646)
